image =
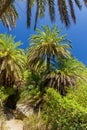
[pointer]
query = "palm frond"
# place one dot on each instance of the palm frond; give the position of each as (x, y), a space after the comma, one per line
(51, 5)
(72, 10)
(37, 14)
(5, 4)
(29, 6)
(67, 76)
(63, 12)
(78, 4)
(42, 8)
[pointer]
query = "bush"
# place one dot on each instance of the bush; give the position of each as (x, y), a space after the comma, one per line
(64, 113)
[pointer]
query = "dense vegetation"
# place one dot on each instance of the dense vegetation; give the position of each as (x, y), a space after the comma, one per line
(46, 77)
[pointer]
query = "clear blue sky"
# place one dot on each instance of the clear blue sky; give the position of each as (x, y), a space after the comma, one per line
(76, 33)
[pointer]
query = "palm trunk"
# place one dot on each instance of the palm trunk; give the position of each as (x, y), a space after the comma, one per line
(48, 62)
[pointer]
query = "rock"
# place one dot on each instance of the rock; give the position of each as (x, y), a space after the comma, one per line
(13, 125)
(26, 110)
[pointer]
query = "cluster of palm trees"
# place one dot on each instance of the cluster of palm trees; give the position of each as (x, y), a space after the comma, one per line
(8, 12)
(48, 61)
(51, 51)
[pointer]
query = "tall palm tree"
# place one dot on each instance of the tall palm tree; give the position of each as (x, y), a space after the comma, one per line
(8, 13)
(12, 61)
(47, 44)
(69, 73)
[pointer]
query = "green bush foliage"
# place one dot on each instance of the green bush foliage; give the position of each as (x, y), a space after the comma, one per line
(65, 113)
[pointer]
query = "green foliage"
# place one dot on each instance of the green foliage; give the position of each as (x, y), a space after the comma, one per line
(32, 79)
(5, 92)
(29, 94)
(79, 94)
(64, 113)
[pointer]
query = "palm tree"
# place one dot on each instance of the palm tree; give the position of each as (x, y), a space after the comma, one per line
(69, 73)
(8, 13)
(47, 44)
(12, 61)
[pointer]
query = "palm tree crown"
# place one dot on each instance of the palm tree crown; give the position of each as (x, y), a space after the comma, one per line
(8, 13)
(68, 75)
(11, 61)
(47, 44)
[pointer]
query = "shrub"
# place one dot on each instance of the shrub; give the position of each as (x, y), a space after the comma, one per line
(64, 113)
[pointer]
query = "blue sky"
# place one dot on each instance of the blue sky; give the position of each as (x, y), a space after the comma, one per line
(77, 33)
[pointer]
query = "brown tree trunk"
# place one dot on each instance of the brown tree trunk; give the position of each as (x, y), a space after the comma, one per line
(48, 62)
